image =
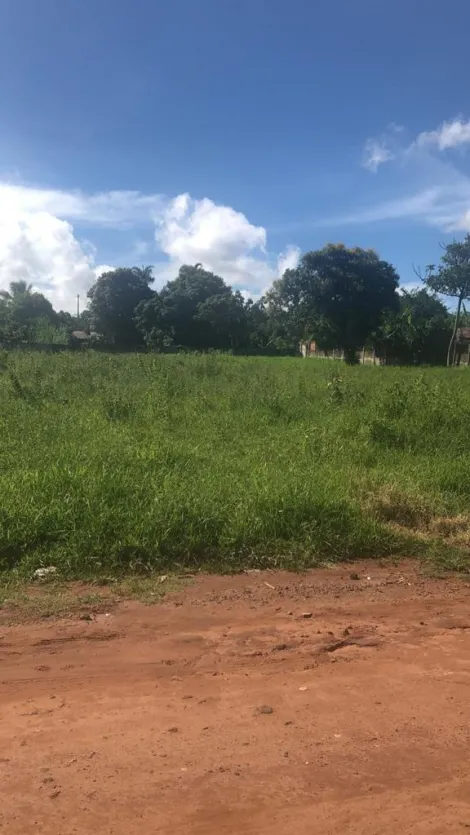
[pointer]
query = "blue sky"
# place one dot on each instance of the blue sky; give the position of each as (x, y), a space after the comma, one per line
(236, 133)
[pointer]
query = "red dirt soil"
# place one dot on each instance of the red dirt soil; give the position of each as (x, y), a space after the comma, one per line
(223, 710)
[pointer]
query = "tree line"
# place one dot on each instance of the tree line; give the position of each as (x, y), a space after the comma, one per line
(343, 298)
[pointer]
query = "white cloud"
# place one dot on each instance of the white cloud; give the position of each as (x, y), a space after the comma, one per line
(221, 239)
(463, 223)
(103, 268)
(410, 287)
(448, 135)
(376, 153)
(387, 147)
(444, 207)
(436, 191)
(117, 209)
(41, 248)
(38, 242)
(414, 205)
(288, 260)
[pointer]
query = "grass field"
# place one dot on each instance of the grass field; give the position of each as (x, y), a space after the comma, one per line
(117, 463)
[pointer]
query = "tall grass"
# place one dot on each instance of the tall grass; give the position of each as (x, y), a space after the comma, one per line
(111, 463)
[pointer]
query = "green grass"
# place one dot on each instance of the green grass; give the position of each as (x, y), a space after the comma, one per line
(111, 464)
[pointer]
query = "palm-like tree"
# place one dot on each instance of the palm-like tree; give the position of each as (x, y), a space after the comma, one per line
(144, 273)
(17, 288)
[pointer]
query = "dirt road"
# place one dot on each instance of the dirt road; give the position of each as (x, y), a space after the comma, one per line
(225, 710)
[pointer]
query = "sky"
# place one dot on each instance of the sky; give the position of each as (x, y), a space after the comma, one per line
(234, 133)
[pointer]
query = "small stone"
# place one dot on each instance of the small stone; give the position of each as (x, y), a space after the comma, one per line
(54, 794)
(354, 575)
(307, 615)
(303, 688)
(265, 710)
(173, 730)
(85, 617)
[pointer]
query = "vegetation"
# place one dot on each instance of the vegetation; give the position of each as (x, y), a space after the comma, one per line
(113, 300)
(111, 463)
(417, 333)
(452, 278)
(339, 297)
(27, 316)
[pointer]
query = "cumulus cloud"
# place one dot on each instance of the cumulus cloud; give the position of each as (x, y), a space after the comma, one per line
(42, 249)
(38, 242)
(223, 240)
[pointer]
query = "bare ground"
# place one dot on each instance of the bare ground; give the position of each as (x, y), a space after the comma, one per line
(225, 710)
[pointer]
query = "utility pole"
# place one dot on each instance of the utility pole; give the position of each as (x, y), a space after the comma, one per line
(78, 305)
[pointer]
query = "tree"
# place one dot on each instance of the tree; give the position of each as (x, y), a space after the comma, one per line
(113, 300)
(21, 310)
(452, 278)
(284, 325)
(225, 313)
(196, 310)
(418, 333)
(150, 322)
(17, 288)
(338, 296)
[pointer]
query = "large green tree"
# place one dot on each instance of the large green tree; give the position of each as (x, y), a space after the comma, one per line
(338, 296)
(452, 278)
(113, 299)
(196, 310)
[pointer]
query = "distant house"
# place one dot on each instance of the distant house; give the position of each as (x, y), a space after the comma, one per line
(311, 349)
